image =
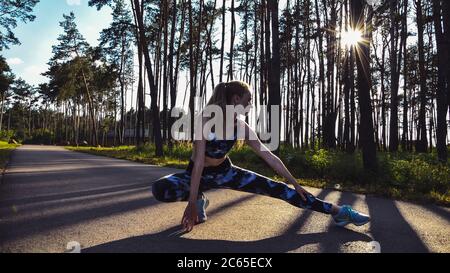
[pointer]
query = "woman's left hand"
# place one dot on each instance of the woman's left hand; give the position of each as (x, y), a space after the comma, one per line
(303, 193)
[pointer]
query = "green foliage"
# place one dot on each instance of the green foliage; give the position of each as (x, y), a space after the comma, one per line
(5, 152)
(19, 135)
(6, 78)
(400, 175)
(40, 136)
(12, 12)
(420, 176)
(321, 161)
(6, 135)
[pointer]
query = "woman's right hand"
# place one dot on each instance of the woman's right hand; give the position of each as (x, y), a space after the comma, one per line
(190, 217)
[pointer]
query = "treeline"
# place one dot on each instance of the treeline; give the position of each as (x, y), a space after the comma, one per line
(385, 91)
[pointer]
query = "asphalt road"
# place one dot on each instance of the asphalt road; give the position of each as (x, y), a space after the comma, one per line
(52, 199)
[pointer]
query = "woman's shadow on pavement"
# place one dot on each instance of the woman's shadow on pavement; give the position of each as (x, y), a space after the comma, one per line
(171, 240)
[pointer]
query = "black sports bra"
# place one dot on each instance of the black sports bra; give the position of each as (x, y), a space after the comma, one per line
(219, 148)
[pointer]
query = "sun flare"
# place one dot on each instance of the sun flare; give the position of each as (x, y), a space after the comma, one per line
(351, 37)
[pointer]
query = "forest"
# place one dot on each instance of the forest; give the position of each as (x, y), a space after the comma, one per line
(354, 78)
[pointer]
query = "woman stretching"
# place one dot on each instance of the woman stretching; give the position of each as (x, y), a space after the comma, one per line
(210, 167)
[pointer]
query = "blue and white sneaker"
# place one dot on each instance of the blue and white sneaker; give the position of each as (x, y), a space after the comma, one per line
(348, 215)
(202, 204)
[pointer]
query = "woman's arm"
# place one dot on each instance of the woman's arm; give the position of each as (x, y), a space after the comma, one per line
(272, 160)
(199, 163)
(199, 159)
(190, 213)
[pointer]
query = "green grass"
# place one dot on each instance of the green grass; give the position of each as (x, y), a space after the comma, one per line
(403, 176)
(5, 152)
(178, 157)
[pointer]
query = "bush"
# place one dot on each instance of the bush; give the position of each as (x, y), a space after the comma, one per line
(41, 136)
(20, 135)
(6, 135)
(300, 164)
(397, 172)
(321, 161)
(420, 174)
(399, 175)
(323, 164)
(348, 168)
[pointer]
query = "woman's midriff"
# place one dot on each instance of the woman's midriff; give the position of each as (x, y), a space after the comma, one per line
(209, 161)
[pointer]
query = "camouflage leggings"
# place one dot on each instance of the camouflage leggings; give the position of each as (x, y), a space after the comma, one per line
(176, 187)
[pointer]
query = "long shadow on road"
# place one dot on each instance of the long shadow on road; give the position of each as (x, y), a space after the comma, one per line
(388, 226)
(26, 227)
(345, 198)
(390, 229)
(171, 240)
(167, 242)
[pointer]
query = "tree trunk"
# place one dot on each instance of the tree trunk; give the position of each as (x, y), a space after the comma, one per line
(405, 77)
(441, 96)
(140, 92)
(274, 89)
(421, 130)
(329, 118)
(164, 81)
(366, 131)
(446, 31)
(173, 80)
(222, 48)
(153, 89)
(321, 76)
(90, 103)
(393, 125)
(191, 71)
(308, 73)
(233, 33)
(3, 95)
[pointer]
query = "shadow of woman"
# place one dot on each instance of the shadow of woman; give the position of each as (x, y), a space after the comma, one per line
(171, 240)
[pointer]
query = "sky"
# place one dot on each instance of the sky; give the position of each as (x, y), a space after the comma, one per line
(29, 59)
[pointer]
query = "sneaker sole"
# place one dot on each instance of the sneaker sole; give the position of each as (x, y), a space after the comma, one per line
(343, 224)
(362, 223)
(202, 220)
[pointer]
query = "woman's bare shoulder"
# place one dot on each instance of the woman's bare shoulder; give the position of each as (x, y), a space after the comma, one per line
(243, 128)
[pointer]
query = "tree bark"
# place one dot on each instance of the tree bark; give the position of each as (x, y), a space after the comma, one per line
(153, 89)
(441, 96)
(274, 87)
(421, 130)
(366, 131)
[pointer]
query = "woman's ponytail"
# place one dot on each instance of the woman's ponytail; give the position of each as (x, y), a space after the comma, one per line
(224, 92)
(219, 96)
